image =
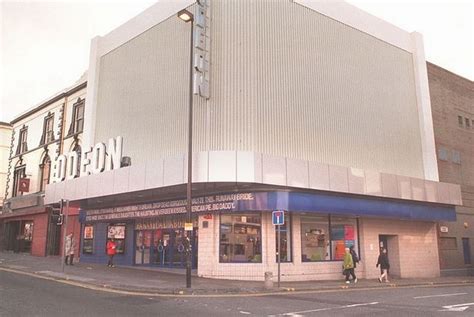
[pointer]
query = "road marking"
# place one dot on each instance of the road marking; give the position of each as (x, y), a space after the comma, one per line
(328, 308)
(244, 312)
(458, 307)
(442, 295)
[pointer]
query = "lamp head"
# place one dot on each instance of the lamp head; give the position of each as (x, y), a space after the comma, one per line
(185, 15)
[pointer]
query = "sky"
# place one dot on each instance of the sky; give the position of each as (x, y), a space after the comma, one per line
(44, 45)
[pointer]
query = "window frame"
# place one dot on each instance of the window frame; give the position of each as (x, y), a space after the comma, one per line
(121, 248)
(330, 238)
(16, 179)
(445, 247)
(48, 134)
(243, 213)
(75, 125)
(88, 240)
(22, 141)
(46, 160)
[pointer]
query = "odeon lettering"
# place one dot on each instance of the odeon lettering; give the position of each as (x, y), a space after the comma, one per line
(93, 160)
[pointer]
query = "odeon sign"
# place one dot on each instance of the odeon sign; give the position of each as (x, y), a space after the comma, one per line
(93, 160)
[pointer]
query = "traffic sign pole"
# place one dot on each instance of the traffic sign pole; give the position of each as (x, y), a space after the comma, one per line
(278, 219)
(279, 254)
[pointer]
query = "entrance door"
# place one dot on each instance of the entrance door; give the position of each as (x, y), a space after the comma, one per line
(142, 247)
(174, 247)
(466, 250)
(383, 243)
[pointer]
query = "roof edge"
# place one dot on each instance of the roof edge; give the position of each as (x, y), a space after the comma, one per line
(62, 94)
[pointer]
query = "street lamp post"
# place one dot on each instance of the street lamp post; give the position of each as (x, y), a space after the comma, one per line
(187, 16)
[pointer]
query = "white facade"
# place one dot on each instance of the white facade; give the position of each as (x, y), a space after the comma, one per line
(5, 140)
(60, 108)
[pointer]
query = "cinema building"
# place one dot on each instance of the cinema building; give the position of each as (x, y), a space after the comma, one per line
(313, 108)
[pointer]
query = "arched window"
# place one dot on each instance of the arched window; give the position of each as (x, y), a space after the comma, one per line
(78, 150)
(45, 168)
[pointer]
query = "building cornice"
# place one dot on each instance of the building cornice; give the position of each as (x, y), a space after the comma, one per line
(49, 102)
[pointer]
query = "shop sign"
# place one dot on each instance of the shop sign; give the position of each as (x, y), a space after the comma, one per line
(206, 204)
(443, 229)
(202, 34)
(24, 185)
(91, 161)
(165, 223)
(188, 226)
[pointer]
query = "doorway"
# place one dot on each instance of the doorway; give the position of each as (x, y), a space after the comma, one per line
(164, 248)
(391, 244)
(466, 250)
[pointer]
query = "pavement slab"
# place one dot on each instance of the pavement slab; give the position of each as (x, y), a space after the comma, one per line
(157, 281)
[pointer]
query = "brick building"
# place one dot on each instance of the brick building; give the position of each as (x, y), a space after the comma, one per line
(452, 102)
(39, 136)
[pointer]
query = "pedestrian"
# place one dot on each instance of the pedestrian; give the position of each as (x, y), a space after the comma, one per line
(111, 250)
(69, 249)
(384, 265)
(349, 266)
(355, 259)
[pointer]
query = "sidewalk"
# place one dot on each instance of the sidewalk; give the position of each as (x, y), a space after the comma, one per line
(156, 281)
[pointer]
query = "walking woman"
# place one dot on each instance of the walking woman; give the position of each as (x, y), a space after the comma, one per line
(384, 265)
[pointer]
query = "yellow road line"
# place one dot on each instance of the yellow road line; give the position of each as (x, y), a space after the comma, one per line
(292, 292)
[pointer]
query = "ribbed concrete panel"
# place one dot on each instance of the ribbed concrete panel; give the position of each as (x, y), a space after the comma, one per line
(143, 93)
(291, 82)
(285, 81)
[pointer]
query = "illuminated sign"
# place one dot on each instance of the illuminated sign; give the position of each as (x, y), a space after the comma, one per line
(202, 49)
(91, 161)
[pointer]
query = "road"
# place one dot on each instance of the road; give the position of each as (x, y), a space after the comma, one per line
(22, 295)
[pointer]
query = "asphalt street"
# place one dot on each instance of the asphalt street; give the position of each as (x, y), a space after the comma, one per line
(22, 295)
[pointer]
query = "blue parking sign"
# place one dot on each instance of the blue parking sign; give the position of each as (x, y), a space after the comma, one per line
(278, 217)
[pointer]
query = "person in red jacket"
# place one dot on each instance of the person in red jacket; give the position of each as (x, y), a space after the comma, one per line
(111, 250)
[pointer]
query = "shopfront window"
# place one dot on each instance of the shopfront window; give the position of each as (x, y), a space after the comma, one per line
(285, 241)
(240, 238)
(343, 235)
(324, 238)
(117, 232)
(315, 238)
(88, 241)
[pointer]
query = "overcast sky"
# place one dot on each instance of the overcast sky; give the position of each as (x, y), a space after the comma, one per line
(44, 45)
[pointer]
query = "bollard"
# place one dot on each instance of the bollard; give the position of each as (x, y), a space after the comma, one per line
(268, 280)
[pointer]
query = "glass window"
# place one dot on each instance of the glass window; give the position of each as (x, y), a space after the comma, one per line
(343, 235)
(22, 141)
(78, 150)
(460, 121)
(456, 157)
(117, 232)
(18, 174)
(314, 238)
(468, 122)
(48, 129)
(45, 171)
(285, 240)
(443, 154)
(448, 243)
(240, 238)
(88, 241)
(78, 118)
